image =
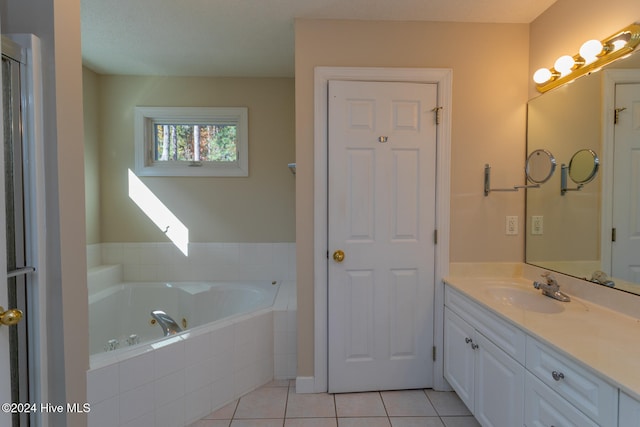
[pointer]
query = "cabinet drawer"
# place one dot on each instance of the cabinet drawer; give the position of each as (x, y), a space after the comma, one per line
(597, 399)
(509, 338)
(546, 408)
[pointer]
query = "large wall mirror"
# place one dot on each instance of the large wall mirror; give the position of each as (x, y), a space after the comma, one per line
(569, 229)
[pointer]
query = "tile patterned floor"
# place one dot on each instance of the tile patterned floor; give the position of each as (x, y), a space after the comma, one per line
(278, 405)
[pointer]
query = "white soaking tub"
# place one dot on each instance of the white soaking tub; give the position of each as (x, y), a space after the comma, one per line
(226, 350)
(120, 316)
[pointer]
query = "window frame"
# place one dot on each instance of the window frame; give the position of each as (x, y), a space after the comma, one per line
(146, 117)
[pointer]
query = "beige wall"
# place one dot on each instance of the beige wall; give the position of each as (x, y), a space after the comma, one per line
(91, 154)
(258, 208)
(490, 64)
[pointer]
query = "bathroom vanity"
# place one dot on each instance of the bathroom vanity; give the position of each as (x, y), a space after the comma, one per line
(518, 358)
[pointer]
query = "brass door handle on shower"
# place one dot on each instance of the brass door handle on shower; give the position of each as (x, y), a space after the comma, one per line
(338, 256)
(10, 317)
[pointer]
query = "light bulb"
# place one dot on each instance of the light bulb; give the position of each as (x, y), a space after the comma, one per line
(543, 75)
(564, 64)
(619, 44)
(590, 51)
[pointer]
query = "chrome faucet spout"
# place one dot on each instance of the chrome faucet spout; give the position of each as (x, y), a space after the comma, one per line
(602, 278)
(551, 288)
(168, 325)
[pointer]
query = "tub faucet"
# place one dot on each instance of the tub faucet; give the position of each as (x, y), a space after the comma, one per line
(551, 288)
(169, 326)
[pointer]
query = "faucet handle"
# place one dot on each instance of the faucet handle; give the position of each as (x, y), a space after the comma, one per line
(551, 280)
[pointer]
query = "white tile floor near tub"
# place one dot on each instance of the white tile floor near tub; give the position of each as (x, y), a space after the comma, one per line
(278, 405)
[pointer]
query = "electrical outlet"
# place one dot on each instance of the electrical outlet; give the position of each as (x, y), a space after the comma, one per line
(537, 225)
(512, 225)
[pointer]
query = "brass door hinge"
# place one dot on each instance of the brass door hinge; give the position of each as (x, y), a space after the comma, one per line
(437, 111)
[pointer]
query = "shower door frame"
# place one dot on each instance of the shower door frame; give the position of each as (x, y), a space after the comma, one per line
(31, 91)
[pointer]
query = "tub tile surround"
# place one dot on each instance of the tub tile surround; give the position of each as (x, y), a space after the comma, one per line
(142, 262)
(176, 381)
(185, 377)
(599, 328)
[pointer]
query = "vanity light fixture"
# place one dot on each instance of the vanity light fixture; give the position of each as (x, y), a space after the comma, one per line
(593, 55)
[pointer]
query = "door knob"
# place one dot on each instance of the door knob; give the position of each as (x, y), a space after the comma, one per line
(10, 317)
(338, 256)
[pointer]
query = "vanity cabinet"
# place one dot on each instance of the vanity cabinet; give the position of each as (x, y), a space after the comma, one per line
(487, 379)
(509, 378)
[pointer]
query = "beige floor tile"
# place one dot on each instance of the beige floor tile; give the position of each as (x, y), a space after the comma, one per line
(317, 405)
(364, 422)
(257, 423)
(360, 405)
(416, 422)
(265, 402)
(211, 423)
(224, 413)
(408, 403)
(447, 403)
(460, 422)
(310, 422)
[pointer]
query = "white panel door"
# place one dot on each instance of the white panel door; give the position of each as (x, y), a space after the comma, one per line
(626, 191)
(382, 159)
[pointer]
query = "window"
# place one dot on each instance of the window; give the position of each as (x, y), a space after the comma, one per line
(191, 141)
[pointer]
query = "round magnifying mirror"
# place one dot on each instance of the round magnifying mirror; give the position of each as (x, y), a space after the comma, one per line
(583, 166)
(540, 166)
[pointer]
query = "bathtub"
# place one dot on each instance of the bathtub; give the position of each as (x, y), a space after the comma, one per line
(226, 350)
(119, 316)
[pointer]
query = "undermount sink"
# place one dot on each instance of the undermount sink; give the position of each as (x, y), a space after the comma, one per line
(526, 300)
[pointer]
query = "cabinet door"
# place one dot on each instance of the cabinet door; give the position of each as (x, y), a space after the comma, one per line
(547, 408)
(499, 386)
(629, 411)
(459, 356)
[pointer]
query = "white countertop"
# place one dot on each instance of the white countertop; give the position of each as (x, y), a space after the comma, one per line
(603, 340)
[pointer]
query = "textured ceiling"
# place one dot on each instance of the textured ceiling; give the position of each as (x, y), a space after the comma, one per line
(246, 37)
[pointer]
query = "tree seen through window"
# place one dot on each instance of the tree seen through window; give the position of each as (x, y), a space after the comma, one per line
(195, 143)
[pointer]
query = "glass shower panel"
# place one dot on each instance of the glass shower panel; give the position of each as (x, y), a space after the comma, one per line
(15, 229)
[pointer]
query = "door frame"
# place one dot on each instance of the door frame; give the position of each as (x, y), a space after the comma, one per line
(322, 75)
(610, 79)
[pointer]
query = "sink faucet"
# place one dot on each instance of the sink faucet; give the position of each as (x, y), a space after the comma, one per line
(169, 326)
(551, 288)
(601, 278)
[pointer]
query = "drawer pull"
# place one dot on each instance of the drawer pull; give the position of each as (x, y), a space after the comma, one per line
(475, 346)
(557, 375)
(468, 340)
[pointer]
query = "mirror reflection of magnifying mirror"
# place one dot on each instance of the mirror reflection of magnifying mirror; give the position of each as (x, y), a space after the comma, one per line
(540, 166)
(583, 166)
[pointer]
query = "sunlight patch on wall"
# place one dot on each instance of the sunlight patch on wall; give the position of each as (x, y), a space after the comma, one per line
(157, 212)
